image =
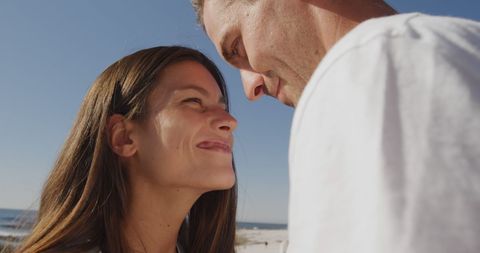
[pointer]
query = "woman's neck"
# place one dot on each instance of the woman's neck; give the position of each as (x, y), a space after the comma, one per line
(154, 217)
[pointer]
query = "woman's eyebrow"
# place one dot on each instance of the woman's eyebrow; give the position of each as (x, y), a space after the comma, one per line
(193, 87)
(221, 100)
(203, 91)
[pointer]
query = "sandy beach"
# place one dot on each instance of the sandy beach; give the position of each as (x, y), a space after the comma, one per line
(249, 241)
(251, 237)
(261, 241)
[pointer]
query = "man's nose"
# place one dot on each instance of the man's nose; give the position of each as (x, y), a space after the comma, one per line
(253, 84)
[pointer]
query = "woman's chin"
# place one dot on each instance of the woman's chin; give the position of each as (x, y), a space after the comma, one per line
(224, 182)
(229, 184)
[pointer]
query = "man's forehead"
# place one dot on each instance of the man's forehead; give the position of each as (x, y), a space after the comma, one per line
(221, 20)
(222, 3)
(215, 16)
(216, 8)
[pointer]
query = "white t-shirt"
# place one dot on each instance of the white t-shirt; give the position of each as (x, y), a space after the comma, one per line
(385, 142)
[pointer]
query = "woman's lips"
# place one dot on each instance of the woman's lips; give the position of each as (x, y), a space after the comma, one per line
(219, 146)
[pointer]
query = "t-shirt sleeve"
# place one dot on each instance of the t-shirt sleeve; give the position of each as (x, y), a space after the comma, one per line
(385, 150)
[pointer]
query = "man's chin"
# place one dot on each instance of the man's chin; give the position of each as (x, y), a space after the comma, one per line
(289, 104)
(286, 100)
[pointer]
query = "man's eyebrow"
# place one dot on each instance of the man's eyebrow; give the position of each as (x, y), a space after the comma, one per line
(204, 92)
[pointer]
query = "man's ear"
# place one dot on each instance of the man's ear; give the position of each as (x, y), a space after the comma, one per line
(119, 132)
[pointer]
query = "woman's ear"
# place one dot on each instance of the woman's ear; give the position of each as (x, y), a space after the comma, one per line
(119, 132)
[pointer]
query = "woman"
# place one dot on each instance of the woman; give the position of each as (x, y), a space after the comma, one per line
(148, 165)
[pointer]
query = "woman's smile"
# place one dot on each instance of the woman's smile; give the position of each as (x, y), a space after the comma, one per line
(216, 145)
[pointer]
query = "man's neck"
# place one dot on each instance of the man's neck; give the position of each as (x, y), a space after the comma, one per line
(356, 10)
(334, 19)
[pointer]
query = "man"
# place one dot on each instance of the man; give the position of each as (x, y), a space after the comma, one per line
(385, 142)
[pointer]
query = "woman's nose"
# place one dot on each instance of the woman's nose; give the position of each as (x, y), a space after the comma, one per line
(253, 84)
(224, 121)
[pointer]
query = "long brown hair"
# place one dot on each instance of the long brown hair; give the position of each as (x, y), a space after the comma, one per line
(84, 199)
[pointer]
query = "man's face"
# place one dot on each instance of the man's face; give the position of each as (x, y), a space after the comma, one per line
(272, 42)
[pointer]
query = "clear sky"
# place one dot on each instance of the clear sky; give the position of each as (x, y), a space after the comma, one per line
(51, 51)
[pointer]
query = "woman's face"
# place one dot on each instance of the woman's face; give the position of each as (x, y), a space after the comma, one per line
(186, 140)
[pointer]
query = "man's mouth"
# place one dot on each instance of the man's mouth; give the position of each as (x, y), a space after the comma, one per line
(269, 91)
(280, 95)
(277, 92)
(219, 146)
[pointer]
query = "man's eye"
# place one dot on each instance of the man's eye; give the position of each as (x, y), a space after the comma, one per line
(233, 50)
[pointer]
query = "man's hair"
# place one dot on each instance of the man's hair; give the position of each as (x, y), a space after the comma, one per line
(198, 8)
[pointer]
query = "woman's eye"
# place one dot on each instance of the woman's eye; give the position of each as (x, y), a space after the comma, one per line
(193, 101)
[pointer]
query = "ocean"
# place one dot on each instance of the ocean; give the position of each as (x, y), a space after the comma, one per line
(254, 225)
(14, 225)
(18, 223)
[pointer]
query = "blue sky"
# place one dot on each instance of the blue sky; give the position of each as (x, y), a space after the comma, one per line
(51, 51)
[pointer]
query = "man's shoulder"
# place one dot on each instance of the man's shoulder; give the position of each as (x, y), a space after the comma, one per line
(411, 25)
(397, 34)
(396, 44)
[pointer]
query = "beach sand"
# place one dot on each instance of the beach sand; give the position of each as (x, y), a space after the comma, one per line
(248, 241)
(261, 241)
